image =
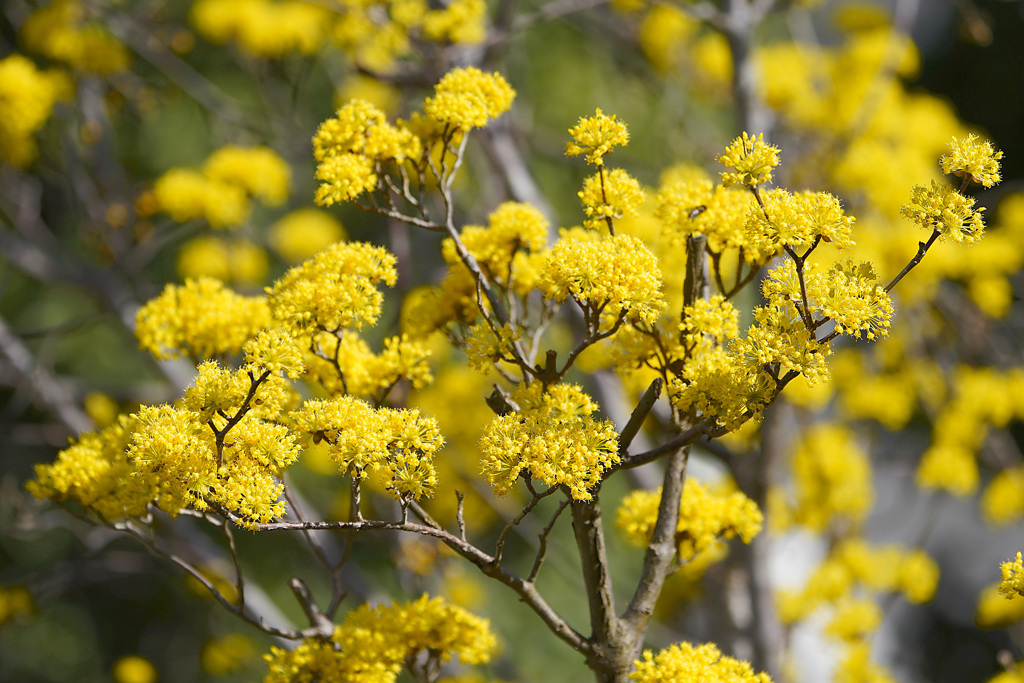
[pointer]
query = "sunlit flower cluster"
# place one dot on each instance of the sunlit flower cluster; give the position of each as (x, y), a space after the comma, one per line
(751, 161)
(797, 221)
(553, 439)
(617, 276)
(350, 147)
(303, 233)
(609, 195)
(374, 643)
(1012, 584)
(397, 446)
(335, 289)
(345, 364)
(596, 136)
(200, 319)
(831, 479)
(685, 662)
(468, 98)
(942, 208)
(978, 161)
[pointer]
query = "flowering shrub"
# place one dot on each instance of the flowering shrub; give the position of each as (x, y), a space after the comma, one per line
(444, 391)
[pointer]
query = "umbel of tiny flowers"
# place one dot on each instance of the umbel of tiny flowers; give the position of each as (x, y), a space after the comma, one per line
(595, 136)
(751, 161)
(971, 160)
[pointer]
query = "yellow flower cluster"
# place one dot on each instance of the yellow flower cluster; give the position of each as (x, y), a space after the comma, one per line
(354, 369)
(350, 148)
(1012, 584)
(375, 33)
(14, 601)
(1003, 499)
(553, 438)
(220, 193)
(396, 445)
(713, 320)
(1014, 675)
(978, 161)
(942, 208)
(467, 98)
(855, 566)
(847, 294)
(374, 643)
(27, 98)
(684, 662)
(94, 471)
(221, 448)
(200, 319)
(751, 161)
(59, 31)
(609, 276)
(610, 195)
(596, 136)
(690, 204)
(486, 346)
(831, 479)
(509, 250)
(796, 221)
(502, 248)
(705, 518)
(335, 289)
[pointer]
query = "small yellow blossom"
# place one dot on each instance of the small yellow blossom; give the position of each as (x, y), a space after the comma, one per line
(60, 31)
(335, 289)
(373, 643)
(617, 275)
(467, 98)
(610, 195)
(1012, 584)
(975, 160)
(554, 438)
(751, 161)
(995, 611)
(596, 136)
(200, 319)
(854, 619)
(27, 98)
(684, 662)
(942, 208)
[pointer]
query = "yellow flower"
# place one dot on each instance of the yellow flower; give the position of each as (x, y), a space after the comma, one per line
(617, 275)
(1012, 584)
(684, 662)
(751, 161)
(200, 319)
(975, 160)
(942, 208)
(469, 98)
(595, 136)
(610, 195)
(554, 437)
